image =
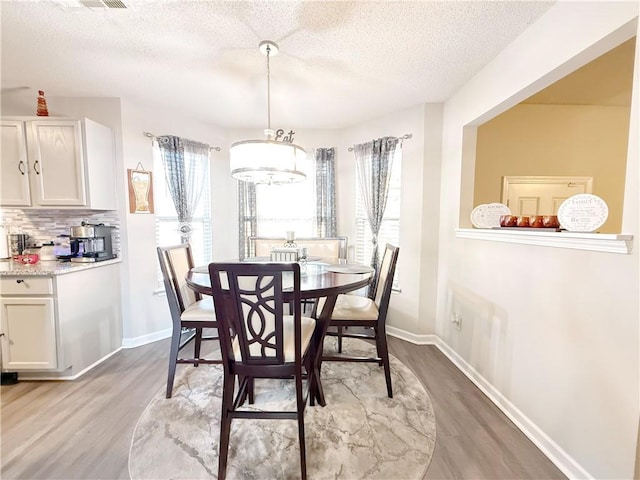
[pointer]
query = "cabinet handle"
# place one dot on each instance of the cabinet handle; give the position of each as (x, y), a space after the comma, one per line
(20, 280)
(21, 167)
(36, 167)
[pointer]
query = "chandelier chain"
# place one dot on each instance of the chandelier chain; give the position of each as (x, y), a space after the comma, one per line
(268, 89)
(274, 160)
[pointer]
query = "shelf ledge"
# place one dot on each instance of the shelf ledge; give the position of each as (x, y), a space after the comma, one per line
(596, 242)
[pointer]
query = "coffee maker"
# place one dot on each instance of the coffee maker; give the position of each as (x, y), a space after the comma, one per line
(93, 242)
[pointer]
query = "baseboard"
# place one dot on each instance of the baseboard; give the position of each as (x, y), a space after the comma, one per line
(412, 337)
(43, 376)
(561, 459)
(145, 339)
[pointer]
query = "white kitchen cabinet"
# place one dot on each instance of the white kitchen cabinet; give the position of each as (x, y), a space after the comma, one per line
(28, 322)
(59, 320)
(14, 165)
(57, 163)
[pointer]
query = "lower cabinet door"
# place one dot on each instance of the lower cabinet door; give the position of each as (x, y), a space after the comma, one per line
(28, 333)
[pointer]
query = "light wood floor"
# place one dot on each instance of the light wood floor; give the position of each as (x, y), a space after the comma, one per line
(82, 429)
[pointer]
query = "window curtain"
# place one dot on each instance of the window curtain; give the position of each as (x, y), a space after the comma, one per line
(180, 158)
(325, 193)
(247, 217)
(373, 165)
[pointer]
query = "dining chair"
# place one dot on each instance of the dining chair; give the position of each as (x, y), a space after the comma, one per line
(325, 247)
(190, 313)
(258, 341)
(371, 314)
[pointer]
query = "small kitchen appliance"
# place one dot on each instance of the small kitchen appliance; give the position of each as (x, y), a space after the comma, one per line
(94, 242)
(17, 243)
(65, 249)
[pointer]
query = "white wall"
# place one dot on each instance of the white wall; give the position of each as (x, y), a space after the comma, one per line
(552, 334)
(146, 313)
(420, 179)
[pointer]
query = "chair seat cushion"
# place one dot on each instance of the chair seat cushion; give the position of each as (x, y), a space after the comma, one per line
(308, 327)
(353, 307)
(202, 310)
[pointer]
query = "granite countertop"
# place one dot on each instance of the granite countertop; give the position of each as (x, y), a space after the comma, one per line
(9, 267)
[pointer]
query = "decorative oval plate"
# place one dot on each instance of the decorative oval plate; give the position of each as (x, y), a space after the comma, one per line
(583, 213)
(488, 215)
(477, 216)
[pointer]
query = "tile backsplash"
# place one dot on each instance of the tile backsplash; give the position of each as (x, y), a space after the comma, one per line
(44, 225)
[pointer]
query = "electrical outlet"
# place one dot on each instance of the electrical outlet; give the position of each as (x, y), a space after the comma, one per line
(456, 319)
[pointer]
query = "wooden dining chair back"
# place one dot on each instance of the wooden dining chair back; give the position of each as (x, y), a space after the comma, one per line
(369, 314)
(324, 247)
(190, 313)
(258, 341)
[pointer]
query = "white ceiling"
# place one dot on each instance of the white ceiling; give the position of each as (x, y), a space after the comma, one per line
(340, 62)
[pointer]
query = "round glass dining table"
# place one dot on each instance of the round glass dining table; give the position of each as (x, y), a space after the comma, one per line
(319, 278)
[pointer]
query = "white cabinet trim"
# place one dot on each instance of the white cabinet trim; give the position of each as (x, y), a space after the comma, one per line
(596, 242)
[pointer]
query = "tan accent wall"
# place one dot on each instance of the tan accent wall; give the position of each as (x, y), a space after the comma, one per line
(578, 140)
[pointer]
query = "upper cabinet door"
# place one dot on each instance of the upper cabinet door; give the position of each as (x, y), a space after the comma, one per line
(14, 166)
(57, 172)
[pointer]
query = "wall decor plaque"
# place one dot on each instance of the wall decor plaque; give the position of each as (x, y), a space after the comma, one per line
(488, 215)
(583, 213)
(140, 191)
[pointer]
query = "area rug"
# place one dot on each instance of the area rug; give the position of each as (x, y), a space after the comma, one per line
(360, 434)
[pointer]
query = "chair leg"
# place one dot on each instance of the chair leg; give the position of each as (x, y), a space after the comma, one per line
(300, 406)
(243, 390)
(252, 391)
(225, 424)
(312, 392)
(340, 339)
(197, 345)
(173, 357)
(383, 353)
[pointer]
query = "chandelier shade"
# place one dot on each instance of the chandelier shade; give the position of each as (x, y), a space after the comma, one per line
(275, 160)
(267, 161)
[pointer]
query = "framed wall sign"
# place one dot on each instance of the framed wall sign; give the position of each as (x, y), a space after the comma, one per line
(140, 190)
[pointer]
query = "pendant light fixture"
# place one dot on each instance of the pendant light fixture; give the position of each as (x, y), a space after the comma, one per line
(275, 160)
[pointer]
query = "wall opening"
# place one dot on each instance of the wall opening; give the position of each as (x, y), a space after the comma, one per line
(577, 126)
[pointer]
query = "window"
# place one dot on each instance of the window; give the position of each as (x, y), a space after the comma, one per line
(390, 228)
(167, 231)
(282, 208)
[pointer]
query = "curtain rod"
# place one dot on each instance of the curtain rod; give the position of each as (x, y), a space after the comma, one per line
(403, 137)
(152, 136)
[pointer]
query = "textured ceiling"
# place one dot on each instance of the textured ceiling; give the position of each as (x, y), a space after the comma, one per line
(340, 62)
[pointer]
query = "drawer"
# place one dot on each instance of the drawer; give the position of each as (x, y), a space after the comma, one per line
(26, 285)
